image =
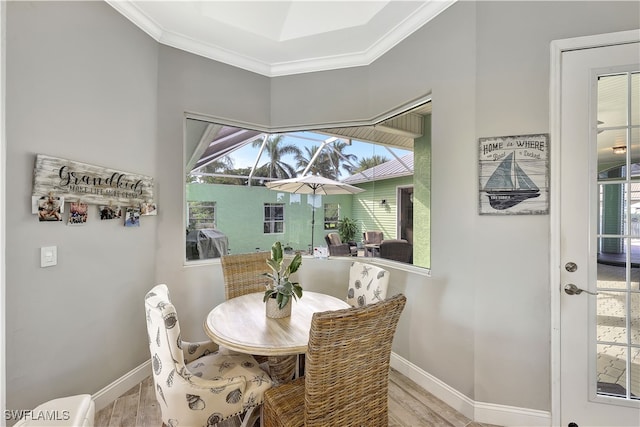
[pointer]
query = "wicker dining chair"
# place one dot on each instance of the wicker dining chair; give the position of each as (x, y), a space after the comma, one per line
(347, 371)
(243, 273)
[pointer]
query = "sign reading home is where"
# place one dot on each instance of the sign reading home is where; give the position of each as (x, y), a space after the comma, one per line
(88, 183)
(514, 175)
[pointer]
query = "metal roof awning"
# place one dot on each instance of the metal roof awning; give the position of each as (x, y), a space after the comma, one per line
(400, 166)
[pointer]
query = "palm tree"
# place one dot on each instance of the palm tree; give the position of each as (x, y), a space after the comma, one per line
(219, 165)
(276, 167)
(329, 161)
(341, 159)
(321, 166)
(370, 162)
(242, 173)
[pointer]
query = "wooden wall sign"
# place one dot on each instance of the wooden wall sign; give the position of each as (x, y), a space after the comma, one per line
(514, 175)
(77, 181)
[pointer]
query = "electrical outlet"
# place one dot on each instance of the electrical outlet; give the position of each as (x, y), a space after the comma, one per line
(48, 256)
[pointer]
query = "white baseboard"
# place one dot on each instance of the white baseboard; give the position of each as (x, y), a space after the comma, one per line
(120, 386)
(481, 412)
(442, 391)
(502, 415)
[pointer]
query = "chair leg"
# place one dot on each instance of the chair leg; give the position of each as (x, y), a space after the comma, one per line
(262, 415)
(300, 365)
(251, 416)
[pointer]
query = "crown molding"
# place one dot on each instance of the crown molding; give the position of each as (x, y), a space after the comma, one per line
(428, 11)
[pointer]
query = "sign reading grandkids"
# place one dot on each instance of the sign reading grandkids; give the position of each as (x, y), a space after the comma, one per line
(514, 175)
(90, 184)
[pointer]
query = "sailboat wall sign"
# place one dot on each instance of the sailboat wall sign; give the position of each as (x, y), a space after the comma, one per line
(514, 175)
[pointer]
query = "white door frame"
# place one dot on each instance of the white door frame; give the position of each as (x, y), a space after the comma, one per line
(558, 47)
(399, 207)
(3, 216)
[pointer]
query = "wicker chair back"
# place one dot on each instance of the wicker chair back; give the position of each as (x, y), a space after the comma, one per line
(346, 371)
(243, 273)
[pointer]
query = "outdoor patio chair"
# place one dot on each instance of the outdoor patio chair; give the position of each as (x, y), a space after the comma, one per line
(337, 247)
(197, 383)
(397, 250)
(370, 238)
(347, 371)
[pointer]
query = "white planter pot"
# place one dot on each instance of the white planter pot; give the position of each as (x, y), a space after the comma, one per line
(274, 312)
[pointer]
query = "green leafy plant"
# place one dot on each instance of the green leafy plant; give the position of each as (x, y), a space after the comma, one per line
(281, 287)
(347, 228)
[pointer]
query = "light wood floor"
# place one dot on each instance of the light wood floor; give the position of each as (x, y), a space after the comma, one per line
(409, 406)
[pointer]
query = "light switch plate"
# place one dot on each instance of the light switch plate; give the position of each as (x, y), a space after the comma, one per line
(48, 256)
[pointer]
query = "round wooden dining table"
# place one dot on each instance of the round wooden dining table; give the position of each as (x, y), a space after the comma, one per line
(241, 324)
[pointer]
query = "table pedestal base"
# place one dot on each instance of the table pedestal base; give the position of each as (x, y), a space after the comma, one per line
(282, 368)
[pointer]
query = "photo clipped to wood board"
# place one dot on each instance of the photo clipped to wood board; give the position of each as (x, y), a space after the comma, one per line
(77, 213)
(132, 217)
(50, 208)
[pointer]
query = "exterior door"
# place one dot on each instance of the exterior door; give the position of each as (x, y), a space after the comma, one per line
(405, 214)
(599, 236)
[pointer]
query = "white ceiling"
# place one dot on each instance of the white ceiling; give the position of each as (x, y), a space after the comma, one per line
(276, 38)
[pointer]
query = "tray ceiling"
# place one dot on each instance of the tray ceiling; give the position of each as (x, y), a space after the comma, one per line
(275, 38)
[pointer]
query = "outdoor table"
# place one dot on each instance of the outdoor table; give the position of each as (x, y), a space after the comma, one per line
(372, 249)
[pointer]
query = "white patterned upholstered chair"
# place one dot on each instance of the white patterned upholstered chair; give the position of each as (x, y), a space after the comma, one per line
(198, 384)
(367, 284)
(70, 411)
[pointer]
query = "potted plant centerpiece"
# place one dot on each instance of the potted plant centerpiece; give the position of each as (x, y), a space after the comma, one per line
(281, 289)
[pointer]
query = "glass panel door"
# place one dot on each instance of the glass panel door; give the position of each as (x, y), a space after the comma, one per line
(617, 303)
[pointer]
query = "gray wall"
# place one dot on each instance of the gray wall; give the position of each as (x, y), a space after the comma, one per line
(509, 257)
(81, 85)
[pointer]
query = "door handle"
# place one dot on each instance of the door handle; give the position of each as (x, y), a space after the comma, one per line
(572, 289)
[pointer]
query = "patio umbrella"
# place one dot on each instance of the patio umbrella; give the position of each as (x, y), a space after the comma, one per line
(313, 184)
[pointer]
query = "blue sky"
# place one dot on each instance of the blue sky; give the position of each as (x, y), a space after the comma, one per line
(245, 157)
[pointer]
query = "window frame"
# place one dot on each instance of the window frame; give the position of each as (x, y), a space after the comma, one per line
(380, 118)
(272, 222)
(333, 221)
(213, 205)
